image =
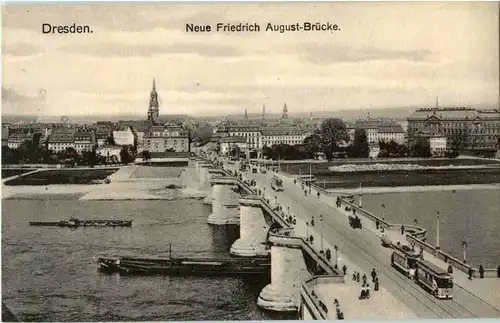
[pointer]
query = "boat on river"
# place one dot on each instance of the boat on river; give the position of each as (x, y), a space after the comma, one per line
(186, 266)
(75, 223)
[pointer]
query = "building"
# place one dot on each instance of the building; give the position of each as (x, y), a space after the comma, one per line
(16, 139)
(103, 132)
(252, 133)
(110, 152)
(229, 144)
(283, 135)
(438, 145)
(61, 138)
(84, 141)
(124, 137)
(154, 107)
(480, 128)
(285, 112)
(166, 138)
(374, 150)
(378, 130)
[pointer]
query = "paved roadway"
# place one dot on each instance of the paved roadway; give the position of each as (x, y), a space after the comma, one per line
(364, 249)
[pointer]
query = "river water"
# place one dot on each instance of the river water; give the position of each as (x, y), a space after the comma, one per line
(50, 274)
(465, 215)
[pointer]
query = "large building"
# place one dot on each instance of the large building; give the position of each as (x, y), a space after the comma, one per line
(124, 137)
(283, 135)
(480, 128)
(166, 138)
(378, 130)
(80, 140)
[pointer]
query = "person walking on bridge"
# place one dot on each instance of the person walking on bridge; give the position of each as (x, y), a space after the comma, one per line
(318, 194)
(364, 278)
(403, 229)
(344, 269)
(357, 277)
(374, 275)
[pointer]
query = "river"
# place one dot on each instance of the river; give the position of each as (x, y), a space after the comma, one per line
(465, 215)
(50, 274)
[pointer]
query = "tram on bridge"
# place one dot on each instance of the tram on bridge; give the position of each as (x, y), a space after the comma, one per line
(404, 259)
(434, 279)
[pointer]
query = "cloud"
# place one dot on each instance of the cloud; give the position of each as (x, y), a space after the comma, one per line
(115, 49)
(21, 49)
(15, 102)
(325, 54)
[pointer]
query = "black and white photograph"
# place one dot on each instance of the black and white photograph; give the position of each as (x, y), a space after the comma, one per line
(250, 161)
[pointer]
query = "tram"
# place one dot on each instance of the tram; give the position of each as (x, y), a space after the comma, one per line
(404, 259)
(434, 279)
(276, 183)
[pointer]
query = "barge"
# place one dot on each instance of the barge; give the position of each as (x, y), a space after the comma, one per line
(186, 266)
(74, 223)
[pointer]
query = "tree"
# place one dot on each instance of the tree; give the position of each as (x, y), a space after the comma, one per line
(202, 134)
(359, 148)
(392, 149)
(422, 148)
(457, 142)
(125, 155)
(89, 157)
(332, 132)
(313, 143)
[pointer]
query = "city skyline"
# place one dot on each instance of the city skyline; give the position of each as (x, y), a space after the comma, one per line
(371, 62)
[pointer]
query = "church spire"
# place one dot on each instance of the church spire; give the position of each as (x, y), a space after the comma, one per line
(246, 114)
(285, 112)
(153, 111)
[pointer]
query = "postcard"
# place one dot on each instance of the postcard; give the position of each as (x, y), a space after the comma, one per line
(250, 161)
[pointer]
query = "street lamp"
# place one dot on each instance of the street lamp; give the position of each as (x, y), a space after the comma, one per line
(321, 230)
(307, 231)
(464, 250)
(437, 231)
(336, 256)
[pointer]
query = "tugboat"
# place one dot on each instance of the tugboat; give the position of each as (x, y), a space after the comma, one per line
(75, 223)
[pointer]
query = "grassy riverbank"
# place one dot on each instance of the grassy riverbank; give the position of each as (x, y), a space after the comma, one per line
(63, 176)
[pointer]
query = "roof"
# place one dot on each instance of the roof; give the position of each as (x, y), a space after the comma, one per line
(109, 147)
(62, 135)
(433, 267)
(20, 137)
(85, 136)
(458, 113)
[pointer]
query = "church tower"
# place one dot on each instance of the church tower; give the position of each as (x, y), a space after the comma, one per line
(154, 109)
(246, 114)
(285, 112)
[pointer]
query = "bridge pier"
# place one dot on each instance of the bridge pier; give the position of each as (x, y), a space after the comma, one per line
(288, 271)
(224, 202)
(253, 229)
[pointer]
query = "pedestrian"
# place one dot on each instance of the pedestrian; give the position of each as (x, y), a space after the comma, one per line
(294, 181)
(357, 277)
(498, 271)
(481, 272)
(377, 224)
(354, 275)
(340, 315)
(344, 268)
(450, 269)
(376, 284)
(364, 278)
(402, 229)
(363, 292)
(305, 192)
(318, 194)
(471, 272)
(367, 290)
(374, 275)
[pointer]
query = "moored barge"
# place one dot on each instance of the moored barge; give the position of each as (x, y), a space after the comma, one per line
(185, 266)
(74, 223)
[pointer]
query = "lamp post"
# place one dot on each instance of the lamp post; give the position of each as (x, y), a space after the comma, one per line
(437, 231)
(464, 250)
(336, 256)
(321, 230)
(307, 231)
(360, 202)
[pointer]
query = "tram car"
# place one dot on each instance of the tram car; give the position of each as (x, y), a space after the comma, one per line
(434, 279)
(404, 259)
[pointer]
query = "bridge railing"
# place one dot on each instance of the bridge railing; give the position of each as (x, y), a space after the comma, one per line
(309, 295)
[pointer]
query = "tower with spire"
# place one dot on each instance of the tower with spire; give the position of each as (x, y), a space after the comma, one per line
(154, 109)
(285, 112)
(246, 114)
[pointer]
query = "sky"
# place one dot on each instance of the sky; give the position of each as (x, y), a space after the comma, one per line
(384, 55)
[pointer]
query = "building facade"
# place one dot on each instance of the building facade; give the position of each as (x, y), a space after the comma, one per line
(378, 130)
(283, 135)
(228, 144)
(480, 128)
(124, 137)
(166, 138)
(438, 144)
